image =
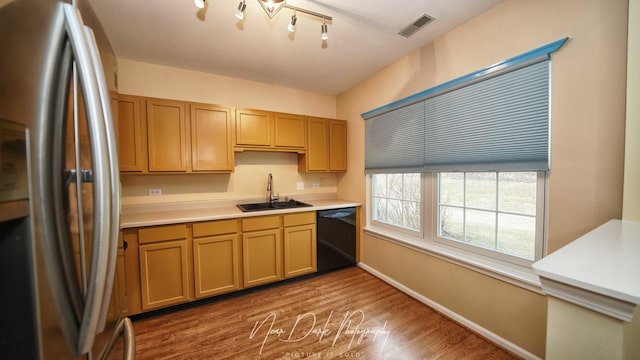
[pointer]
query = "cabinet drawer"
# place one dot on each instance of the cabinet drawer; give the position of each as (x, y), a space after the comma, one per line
(300, 219)
(162, 233)
(215, 228)
(261, 223)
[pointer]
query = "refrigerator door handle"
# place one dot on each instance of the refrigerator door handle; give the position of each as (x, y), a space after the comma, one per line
(129, 340)
(114, 226)
(124, 327)
(98, 274)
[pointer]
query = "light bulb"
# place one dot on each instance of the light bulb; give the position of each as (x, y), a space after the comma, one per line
(292, 24)
(240, 12)
(199, 3)
(324, 29)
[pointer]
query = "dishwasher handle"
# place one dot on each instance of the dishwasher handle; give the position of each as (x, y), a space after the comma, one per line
(337, 213)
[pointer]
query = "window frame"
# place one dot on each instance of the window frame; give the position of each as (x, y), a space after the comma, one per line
(416, 234)
(539, 245)
(473, 255)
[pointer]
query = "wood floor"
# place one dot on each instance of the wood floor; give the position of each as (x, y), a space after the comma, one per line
(344, 314)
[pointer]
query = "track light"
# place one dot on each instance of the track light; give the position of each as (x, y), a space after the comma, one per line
(199, 3)
(240, 12)
(292, 24)
(324, 29)
(272, 7)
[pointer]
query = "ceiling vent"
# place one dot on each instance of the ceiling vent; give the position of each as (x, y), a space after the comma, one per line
(416, 25)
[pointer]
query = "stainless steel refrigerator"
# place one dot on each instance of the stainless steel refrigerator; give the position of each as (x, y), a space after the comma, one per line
(59, 186)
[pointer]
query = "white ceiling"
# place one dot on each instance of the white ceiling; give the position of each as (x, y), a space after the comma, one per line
(362, 37)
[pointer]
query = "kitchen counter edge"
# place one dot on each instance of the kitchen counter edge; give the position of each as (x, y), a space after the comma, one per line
(179, 216)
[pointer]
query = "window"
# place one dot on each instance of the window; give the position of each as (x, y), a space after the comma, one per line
(495, 211)
(480, 144)
(396, 200)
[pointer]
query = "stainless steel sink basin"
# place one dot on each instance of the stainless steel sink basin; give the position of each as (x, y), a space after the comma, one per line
(275, 205)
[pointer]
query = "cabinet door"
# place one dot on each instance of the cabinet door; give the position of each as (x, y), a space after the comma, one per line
(130, 137)
(299, 250)
(163, 273)
(290, 131)
(132, 271)
(262, 257)
(211, 134)
(337, 145)
(216, 265)
(166, 135)
(253, 127)
(317, 152)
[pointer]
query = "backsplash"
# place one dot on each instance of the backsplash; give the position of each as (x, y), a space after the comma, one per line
(249, 180)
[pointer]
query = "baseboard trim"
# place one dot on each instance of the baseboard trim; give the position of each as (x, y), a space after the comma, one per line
(489, 335)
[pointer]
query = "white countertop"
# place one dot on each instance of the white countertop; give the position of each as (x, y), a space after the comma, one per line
(178, 213)
(605, 261)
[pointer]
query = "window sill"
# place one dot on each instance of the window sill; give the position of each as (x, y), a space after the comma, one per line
(510, 273)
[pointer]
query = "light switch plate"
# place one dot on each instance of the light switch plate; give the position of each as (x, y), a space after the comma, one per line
(155, 192)
(299, 186)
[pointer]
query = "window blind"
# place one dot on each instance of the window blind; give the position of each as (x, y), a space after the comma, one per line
(394, 141)
(501, 123)
(496, 118)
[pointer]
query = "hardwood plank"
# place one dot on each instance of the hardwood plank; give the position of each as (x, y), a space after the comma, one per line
(347, 313)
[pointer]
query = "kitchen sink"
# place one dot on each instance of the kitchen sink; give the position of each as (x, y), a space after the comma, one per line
(275, 205)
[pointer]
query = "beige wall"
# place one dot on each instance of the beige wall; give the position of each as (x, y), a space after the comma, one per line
(250, 176)
(587, 148)
(631, 207)
(577, 333)
(248, 181)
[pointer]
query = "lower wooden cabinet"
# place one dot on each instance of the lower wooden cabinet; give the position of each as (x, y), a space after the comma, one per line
(299, 244)
(262, 256)
(172, 264)
(164, 268)
(299, 250)
(216, 258)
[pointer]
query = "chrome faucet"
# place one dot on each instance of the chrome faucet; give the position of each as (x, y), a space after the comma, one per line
(272, 197)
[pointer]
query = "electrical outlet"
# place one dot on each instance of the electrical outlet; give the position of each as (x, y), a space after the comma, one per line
(299, 186)
(315, 185)
(155, 192)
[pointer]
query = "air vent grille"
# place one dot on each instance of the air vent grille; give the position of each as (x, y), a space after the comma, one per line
(416, 25)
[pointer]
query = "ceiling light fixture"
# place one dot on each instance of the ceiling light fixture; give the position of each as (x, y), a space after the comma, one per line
(272, 7)
(292, 24)
(240, 12)
(324, 28)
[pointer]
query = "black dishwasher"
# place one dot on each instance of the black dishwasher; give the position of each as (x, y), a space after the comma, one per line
(336, 235)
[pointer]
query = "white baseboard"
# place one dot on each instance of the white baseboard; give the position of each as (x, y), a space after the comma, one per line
(491, 336)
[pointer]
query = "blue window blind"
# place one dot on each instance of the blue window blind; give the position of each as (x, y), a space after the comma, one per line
(394, 141)
(501, 123)
(496, 118)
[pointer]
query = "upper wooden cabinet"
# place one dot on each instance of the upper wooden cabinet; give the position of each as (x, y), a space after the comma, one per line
(337, 145)
(267, 131)
(211, 138)
(131, 137)
(253, 128)
(326, 146)
(167, 135)
(289, 131)
(170, 136)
